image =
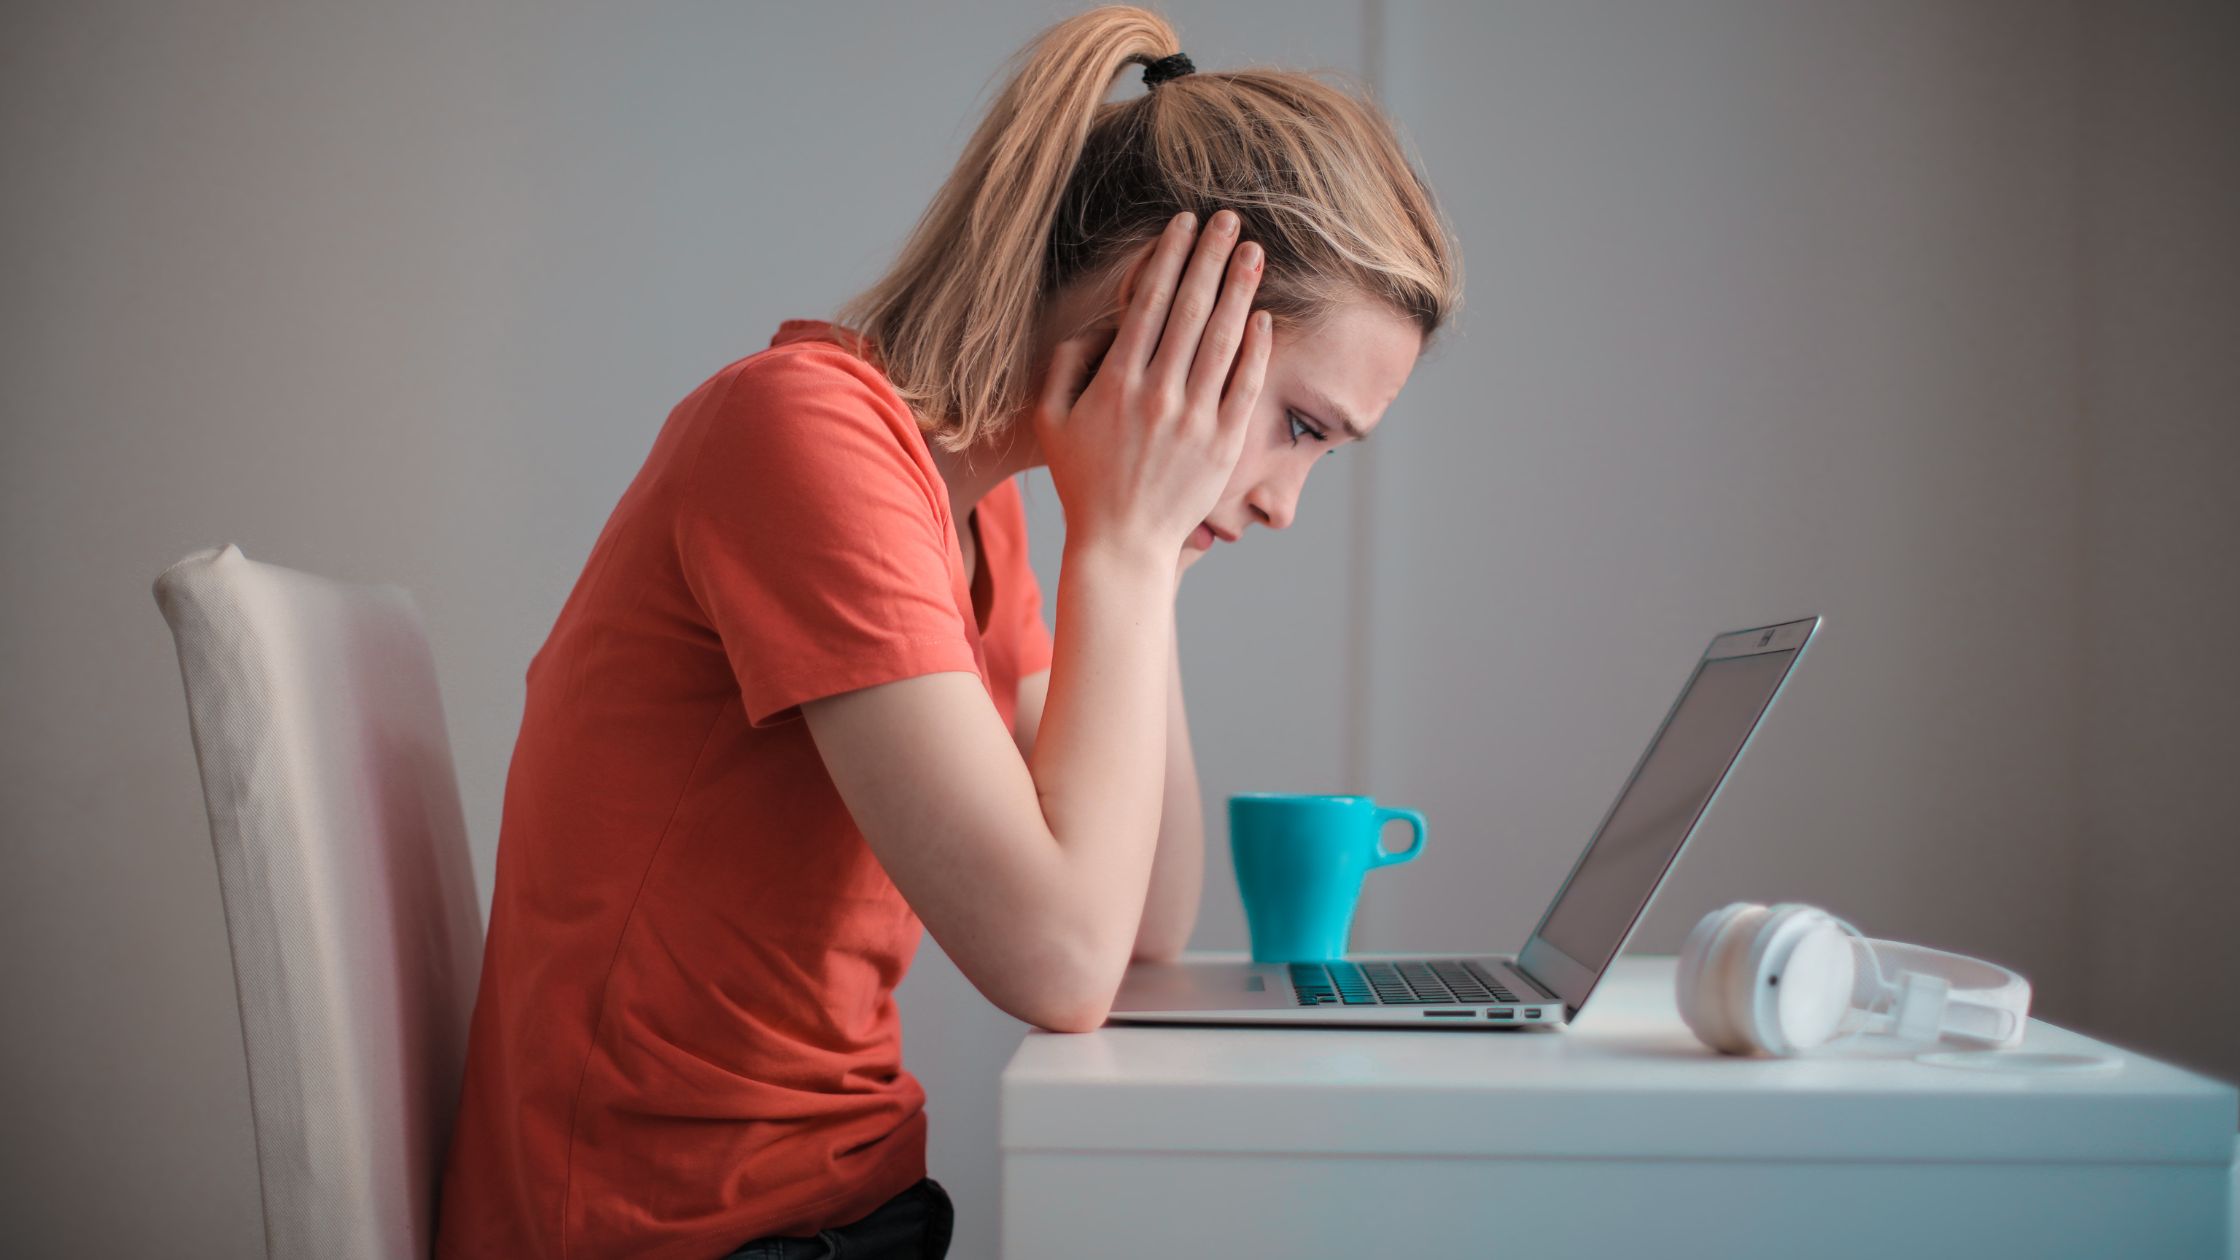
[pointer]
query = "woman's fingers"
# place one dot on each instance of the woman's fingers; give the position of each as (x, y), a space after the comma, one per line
(1193, 303)
(1243, 395)
(1224, 333)
(1155, 286)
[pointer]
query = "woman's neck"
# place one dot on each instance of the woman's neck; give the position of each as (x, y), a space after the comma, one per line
(971, 474)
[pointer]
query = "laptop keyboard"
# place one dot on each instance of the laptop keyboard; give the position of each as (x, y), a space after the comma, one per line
(1395, 984)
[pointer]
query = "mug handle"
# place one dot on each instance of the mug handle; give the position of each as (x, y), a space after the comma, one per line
(1382, 858)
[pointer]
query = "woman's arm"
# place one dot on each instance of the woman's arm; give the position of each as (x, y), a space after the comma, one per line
(1032, 872)
(1170, 907)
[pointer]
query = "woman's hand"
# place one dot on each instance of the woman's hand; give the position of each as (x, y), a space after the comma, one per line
(1141, 454)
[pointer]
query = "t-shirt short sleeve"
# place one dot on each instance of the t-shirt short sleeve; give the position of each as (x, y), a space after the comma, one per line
(810, 531)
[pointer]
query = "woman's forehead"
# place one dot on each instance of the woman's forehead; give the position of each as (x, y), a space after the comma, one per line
(1353, 363)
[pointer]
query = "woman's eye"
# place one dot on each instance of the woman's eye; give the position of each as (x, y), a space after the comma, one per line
(1299, 426)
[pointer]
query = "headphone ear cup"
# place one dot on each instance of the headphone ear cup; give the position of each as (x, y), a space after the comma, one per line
(1815, 978)
(1723, 1023)
(1688, 982)
(1739, 978)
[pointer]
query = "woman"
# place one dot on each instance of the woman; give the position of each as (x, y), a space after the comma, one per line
(801, 699)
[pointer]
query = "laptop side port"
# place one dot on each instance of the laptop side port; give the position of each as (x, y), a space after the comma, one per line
(1502, 1012)
(1532, 1012)
(1447, 1014)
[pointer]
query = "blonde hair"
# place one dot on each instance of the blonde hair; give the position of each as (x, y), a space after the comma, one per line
(1057, 185)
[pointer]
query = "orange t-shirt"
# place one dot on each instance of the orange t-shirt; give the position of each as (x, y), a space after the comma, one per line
(685, 1035)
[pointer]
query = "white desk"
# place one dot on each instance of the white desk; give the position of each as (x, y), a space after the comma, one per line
(1620, 1137)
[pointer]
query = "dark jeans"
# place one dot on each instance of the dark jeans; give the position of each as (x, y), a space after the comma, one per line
(913, 1225)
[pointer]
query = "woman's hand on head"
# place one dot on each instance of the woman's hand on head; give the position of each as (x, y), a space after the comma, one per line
(1141, 444)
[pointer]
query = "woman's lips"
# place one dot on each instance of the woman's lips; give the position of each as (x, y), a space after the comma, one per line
(1202, 537)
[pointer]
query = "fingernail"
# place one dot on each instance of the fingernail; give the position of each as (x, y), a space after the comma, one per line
(1252, 256)
(1187, 220)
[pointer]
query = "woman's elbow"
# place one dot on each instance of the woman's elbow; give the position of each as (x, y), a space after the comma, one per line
(1073, 1020)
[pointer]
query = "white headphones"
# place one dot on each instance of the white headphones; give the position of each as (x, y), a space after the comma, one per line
(1780, 979)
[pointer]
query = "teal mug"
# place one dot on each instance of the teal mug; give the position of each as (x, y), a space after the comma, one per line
(1300, 861)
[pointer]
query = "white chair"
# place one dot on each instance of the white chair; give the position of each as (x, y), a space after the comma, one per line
(349, 896)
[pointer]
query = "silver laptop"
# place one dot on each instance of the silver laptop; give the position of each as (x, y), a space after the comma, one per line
(1607, 892)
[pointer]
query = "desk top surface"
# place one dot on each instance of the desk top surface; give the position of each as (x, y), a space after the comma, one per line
(1627, 1079)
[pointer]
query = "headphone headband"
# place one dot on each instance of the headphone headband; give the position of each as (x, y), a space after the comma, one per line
(1987, 1002)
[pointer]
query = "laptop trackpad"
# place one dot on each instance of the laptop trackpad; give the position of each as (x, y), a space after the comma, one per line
(1203, 986)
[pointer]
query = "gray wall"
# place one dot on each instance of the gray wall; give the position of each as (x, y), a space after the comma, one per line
(2160, 372)
(1916, 316)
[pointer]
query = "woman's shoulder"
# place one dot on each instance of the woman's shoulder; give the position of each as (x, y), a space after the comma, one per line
(823, 341)
(811, 354)
(807, 409)
(812, 380)
(825, 333)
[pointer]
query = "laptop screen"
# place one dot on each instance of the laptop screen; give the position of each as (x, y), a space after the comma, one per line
(1671, 787)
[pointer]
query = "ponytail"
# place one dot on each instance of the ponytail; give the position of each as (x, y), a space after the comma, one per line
(954, 322)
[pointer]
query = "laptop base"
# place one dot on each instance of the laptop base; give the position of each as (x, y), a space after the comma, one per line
(1432, 991)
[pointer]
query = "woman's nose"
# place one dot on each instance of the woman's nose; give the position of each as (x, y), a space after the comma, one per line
(1275, 502)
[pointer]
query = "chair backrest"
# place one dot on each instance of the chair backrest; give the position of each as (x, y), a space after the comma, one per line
(349, 894)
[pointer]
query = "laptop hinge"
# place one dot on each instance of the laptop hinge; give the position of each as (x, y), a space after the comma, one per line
(1546, 994)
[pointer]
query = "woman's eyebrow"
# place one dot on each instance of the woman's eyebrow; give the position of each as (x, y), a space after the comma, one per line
(1321, 403)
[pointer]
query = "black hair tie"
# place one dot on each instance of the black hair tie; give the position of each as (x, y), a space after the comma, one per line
(1166, 68)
